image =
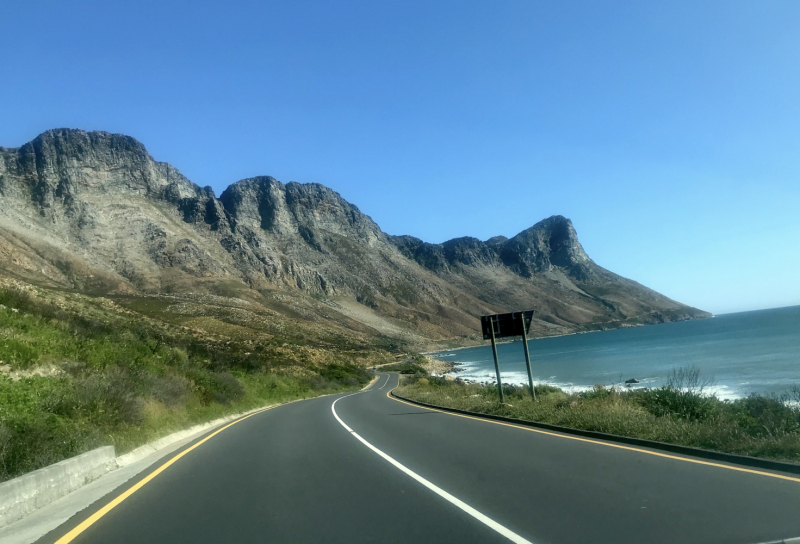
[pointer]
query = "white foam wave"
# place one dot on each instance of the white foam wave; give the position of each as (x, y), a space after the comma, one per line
(483, 375)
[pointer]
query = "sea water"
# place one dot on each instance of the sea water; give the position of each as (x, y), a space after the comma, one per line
(741, 353)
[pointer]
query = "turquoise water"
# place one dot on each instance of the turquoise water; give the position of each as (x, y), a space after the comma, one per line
(748, 352)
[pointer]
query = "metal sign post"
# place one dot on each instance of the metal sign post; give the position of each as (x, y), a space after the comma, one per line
(527, 355)
(505, 325)
(496, 364)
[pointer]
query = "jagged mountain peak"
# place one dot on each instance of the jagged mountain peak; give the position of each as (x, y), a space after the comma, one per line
(94, 211)
(496, 240)
(77, 135)
(59, 147)
(550, 242)
(267, 204)
(59, 165)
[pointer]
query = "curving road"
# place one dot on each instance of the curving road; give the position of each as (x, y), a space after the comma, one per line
(373, 469)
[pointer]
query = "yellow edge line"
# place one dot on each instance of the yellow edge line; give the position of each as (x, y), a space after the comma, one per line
(88, 522)
(602, 443)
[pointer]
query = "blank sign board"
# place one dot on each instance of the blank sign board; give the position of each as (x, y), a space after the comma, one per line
(505, 325)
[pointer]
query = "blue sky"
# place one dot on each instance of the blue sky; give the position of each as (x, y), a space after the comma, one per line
(667, 131)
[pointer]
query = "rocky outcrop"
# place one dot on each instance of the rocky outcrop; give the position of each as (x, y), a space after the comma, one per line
(549, 243)
(93, 211)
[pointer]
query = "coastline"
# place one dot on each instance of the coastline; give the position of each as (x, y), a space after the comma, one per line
(744, 357)
(437, 367)
(515, 378)
(574, 333)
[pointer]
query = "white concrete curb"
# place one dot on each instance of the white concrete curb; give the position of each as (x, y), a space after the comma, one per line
(21, 496)
(29, 492)
(143, 451)
(28, 514)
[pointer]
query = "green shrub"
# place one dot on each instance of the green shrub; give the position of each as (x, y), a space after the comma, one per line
(221, 387)
(225, 387)
(32, 441)
(126, 381)
(350, 375)
(106, 399)
(667, 401)
(19, 354)
(758, 426)
(407, 367)
(683, 396)
(597, 392)
(171, 389)
(317, 382)
(761, 416)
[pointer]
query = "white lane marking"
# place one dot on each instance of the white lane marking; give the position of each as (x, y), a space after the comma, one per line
(387, 381)
(795, 540)
(511, 535)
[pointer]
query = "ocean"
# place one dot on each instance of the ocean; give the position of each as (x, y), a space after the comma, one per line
(741, 353)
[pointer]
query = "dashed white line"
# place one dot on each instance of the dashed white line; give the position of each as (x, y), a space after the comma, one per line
(509, 534)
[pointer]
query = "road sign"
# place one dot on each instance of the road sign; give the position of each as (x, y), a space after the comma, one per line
(505, 325)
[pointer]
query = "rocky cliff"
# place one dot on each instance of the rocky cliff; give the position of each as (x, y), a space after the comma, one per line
(94, 212)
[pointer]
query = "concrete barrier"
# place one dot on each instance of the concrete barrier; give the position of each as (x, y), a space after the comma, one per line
(29, 492)
(21, 496)
(143, 451)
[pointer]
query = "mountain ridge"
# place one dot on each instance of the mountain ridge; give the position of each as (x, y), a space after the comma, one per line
(93, 211)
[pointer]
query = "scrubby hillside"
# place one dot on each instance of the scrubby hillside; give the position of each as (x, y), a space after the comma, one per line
(134, 303)
(78, 372)
(93, 212)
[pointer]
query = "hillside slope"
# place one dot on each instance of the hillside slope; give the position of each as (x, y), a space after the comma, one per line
(93, 212)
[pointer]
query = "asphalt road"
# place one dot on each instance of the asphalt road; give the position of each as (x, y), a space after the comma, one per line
(296, 474)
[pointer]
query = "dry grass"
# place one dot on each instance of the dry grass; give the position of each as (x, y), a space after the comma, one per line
(77, 373)
(756, 426)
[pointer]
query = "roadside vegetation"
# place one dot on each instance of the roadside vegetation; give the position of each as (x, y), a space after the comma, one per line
(81, 374)
(413, 366)
(681, 412)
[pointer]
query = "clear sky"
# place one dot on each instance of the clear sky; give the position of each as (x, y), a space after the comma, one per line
(669, 132)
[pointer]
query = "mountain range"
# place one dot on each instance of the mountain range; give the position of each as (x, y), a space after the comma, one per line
(93, 212)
